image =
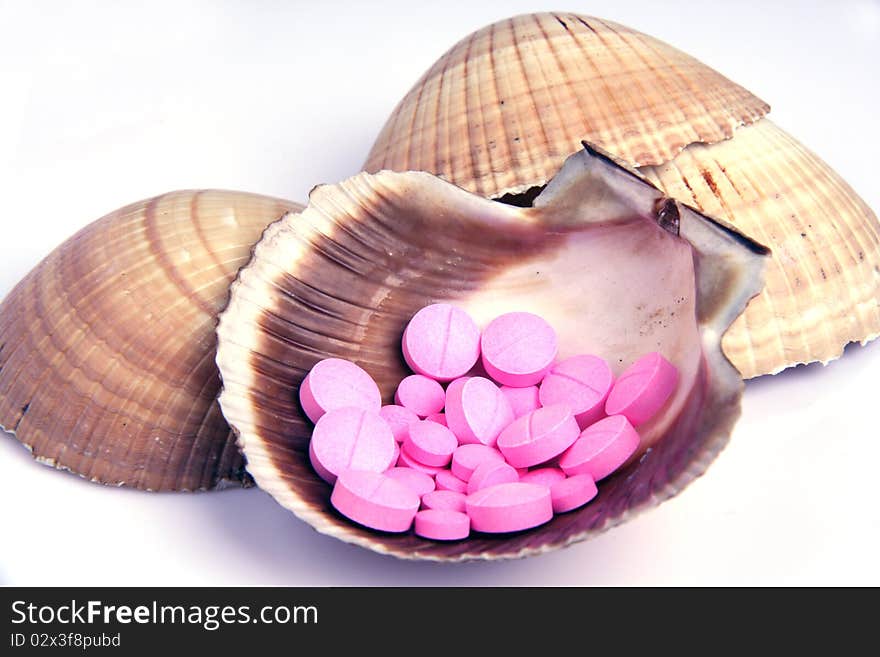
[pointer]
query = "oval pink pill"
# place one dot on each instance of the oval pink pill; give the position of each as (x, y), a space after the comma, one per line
(441, 342)
(442, 524)
(518, 349)
(445, 480)
(335, 383)
(601, 448)
(466, 458)
(573, 492)
(421, 395)
(405, 460)
(490, 473)
(582, 382)
(543, 476)
(539, 436)
(444, 499)
(418, 482)
(642, 389)
(509, 507)
(351, 438)
(522, 400)
(430, 443)
(374, 500)
(399, 419)
(476, 410)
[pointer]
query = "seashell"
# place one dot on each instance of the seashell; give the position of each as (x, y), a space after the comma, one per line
(107, 346)
(599, 255)
(502, 109)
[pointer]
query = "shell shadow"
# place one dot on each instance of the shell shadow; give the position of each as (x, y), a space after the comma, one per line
(287, 551)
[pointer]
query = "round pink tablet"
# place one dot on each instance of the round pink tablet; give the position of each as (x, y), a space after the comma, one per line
(439, 418)
(351, 438)
(421, 395)
(405, 460)
(430, 443)
(476, 410)
(442, 524)
(374, 500)
(335, 383)
(445, 480)
(509, 507)
(642, 389)
(399, 419)
(522, 400)
(444, 499)
(466, 458)
(518, 349)
(573, 492)
(582, 382)
(441, 342)
(538, 436)
(491, 473)
(601, 448)
(546, 476)
(418, 482)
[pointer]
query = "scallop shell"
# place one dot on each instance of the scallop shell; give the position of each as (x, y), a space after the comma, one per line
(343, 277)
(107, 346)
(502, 109)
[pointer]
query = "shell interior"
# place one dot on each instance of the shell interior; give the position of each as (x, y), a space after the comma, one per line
(599, 255)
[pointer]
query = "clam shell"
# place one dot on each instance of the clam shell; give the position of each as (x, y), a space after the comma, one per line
(107, 346)
(502, 109)
(823, 282)
(598, 255)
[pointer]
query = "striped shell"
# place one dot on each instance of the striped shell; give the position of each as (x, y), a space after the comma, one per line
(343, 277)
(502, 109)
(107, 346)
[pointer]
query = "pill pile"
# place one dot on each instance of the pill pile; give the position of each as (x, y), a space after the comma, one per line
(490, 434)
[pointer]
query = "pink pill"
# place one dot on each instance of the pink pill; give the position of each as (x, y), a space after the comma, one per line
(441, 342)
(430, 443)
(396, 452)
(544, 476)
(582, 382)
(439, 418)
(509, 507)
(445, 480)
(442, 524)
(642, 389)
(418, 482)
(405, 460)
(490, 473)
(351, 438)
(573, 492)
(601, 448)
(522, 400)
(399, 419)
(466, 458)
(421, 395)
(444, 499)
(518, 349)
(476, 410)
(335, 383)
(538, 436)
(374, 500)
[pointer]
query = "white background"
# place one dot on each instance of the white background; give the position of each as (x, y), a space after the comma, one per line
(105, 103)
